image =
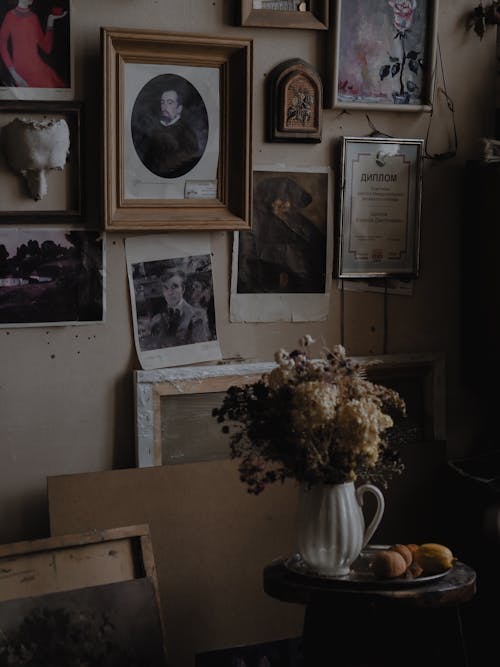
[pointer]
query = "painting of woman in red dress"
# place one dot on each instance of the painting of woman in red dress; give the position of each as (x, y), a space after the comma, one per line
(27, 45)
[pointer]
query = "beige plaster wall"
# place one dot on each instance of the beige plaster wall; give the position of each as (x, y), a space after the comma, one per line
(66, 393)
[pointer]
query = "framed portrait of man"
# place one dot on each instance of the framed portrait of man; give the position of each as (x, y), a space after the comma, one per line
(171, 149)
(170, 126)
(176, 131)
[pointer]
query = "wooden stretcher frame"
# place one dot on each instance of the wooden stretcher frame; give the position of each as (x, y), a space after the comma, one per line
(424, 372)
(34, 568)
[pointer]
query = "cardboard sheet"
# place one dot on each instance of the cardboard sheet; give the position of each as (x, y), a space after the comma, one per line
(211, 541)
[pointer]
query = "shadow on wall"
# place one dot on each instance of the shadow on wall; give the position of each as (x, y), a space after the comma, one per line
(414, 507)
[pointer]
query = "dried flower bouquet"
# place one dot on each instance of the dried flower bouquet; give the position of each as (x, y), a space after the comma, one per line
(313, 420)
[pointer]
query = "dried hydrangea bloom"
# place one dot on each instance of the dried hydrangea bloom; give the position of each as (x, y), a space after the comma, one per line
(281, 355)
(359, 425)
(313, 405)
(279, 377)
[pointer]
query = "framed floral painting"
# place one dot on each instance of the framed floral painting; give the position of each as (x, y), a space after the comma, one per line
(382, 54)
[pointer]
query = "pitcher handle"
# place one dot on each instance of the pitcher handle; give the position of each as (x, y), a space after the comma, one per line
(377, 518)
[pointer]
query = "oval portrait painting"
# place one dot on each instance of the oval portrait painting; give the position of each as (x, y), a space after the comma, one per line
(169, 126)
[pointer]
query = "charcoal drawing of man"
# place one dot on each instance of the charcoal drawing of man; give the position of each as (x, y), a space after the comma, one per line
(169, 126)
(179, 323)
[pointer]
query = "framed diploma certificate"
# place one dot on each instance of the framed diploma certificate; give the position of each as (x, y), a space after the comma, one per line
(380, 207)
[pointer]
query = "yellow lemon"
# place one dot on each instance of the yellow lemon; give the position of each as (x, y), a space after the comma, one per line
(433, 558)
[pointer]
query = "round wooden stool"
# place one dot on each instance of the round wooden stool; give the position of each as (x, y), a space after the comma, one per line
(372, 623)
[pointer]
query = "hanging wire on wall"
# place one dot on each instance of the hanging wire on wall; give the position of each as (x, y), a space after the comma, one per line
(386, 316)
(342, 313)
(447, 155)
(375, 132)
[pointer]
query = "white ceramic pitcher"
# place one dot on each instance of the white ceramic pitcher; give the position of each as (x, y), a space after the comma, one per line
(331, 525)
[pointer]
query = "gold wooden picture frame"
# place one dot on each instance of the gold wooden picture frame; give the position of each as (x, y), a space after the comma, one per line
(201, 177)
(309, 14)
